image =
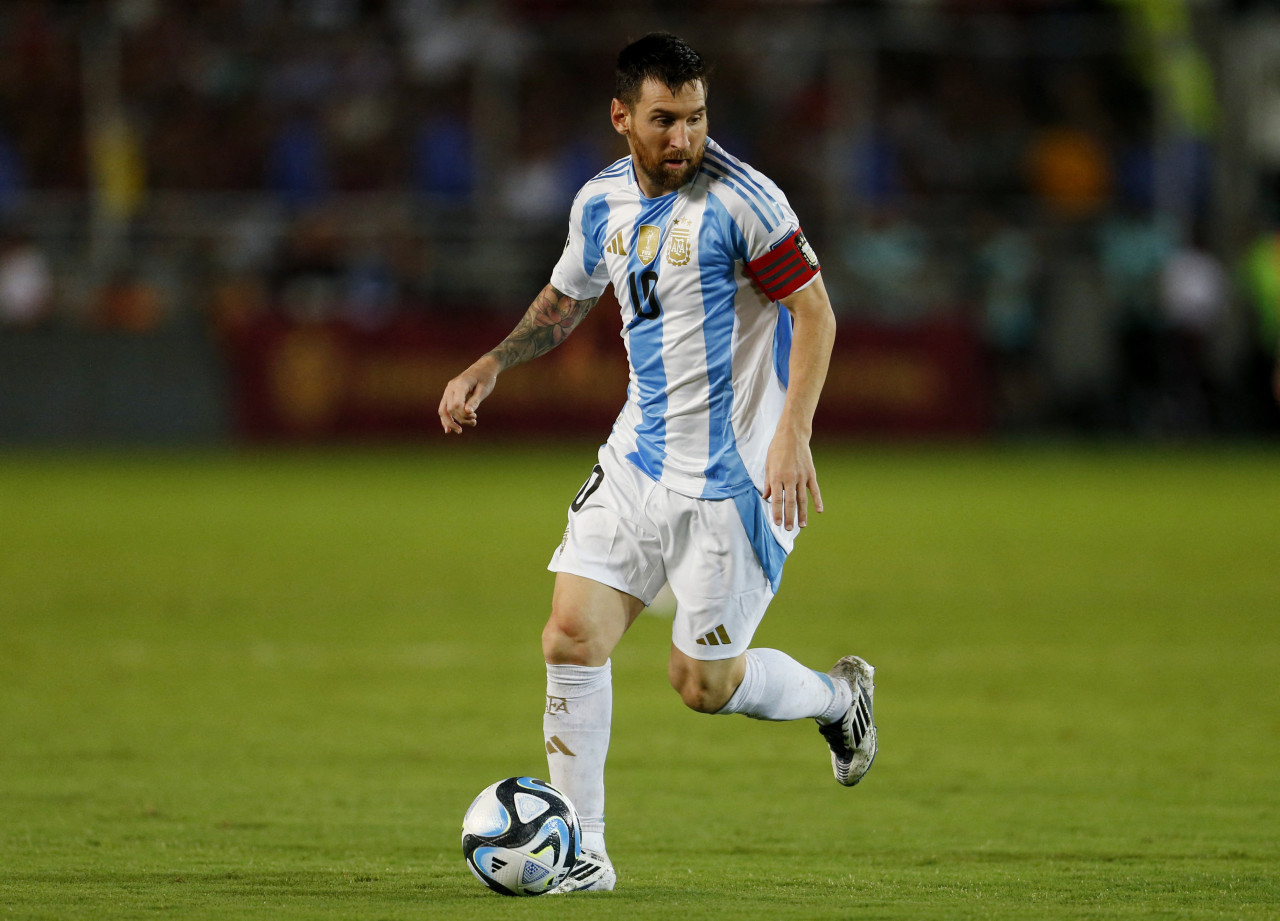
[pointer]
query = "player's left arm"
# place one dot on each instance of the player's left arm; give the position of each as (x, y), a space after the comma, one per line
(790, 476)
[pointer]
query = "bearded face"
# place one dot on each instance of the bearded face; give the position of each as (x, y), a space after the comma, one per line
(666, 171)
(667, 134)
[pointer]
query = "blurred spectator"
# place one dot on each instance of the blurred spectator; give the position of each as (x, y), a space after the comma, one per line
(26, 284)
(1193, 291)
(298, 163)
(1133, 247)
(12, 178)
(1006, 267)
(307, 280)
(127, 303)
(889, 259)
(1070, 171)
(371, 294)
(1193, 298)
(236, 302)
(1069, 163)
(1260, 275)
(876, 170)
(1079, 354)
(534, 187)
(443, 158)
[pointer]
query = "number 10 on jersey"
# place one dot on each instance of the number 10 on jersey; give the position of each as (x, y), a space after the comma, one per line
(644, 300)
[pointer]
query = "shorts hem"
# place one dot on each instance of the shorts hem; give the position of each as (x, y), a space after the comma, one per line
(604, 577)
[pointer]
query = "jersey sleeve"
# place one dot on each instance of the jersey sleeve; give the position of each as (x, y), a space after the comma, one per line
(778, 258)
(580, 272)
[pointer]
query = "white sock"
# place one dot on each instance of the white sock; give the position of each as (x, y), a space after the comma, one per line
(576, 727)
(777, 687)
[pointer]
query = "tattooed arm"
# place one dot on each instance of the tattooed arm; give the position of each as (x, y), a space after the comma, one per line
(549, 320)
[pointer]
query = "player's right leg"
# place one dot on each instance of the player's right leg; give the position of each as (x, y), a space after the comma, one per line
(587, 621)
(609, 566)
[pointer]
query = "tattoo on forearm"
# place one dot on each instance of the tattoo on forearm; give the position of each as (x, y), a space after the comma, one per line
(547, 323)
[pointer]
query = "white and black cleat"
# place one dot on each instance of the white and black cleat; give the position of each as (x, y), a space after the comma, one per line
(592, 872)
(852, 738)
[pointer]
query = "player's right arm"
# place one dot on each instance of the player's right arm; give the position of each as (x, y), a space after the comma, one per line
(549, 320)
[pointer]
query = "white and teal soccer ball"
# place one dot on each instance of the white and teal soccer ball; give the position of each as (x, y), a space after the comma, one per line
(521, 836)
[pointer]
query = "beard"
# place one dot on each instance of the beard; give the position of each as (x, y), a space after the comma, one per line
(666, 178)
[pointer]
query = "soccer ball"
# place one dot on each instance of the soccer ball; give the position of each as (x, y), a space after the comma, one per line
(521, 836)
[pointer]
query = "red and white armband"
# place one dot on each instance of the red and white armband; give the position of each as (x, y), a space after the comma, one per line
(786, 268)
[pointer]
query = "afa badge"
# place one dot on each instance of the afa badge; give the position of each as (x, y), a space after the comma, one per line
(680, 245)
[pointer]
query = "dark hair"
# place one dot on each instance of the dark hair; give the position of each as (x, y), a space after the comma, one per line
(662, 56)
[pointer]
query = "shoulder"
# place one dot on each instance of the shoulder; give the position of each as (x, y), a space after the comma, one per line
(745, 192)
(600, 194)
(615, 176)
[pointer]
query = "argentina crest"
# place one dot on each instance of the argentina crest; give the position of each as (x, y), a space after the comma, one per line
(647, 240)
(680, 245)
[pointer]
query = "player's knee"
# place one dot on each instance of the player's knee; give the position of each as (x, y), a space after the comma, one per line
(705, 693)
(568, 640)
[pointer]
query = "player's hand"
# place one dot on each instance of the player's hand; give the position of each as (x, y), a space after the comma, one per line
(790, 478)
(463, 395)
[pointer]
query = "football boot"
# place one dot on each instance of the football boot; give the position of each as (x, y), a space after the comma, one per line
(592, 872)
(852, 738)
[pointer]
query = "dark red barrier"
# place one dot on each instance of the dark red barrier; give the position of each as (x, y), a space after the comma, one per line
(919, 380)
(335, 381)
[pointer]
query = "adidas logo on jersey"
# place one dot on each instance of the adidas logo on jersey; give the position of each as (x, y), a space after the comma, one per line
(717, 637)
(616, 246)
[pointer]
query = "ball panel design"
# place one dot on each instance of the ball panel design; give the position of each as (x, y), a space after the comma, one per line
(521, 836)
(487, 816)
(529, 807)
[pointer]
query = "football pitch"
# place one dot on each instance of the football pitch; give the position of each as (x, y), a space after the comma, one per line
(266, 685)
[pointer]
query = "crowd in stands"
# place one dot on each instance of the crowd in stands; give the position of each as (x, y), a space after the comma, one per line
(331, 158)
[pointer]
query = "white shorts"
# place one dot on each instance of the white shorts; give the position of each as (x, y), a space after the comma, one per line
(631, 533)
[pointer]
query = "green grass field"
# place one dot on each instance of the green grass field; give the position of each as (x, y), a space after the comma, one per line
(268, 685)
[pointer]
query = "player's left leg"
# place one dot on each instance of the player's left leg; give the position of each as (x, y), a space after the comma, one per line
(764, 684)
(722, 590)
(767, 684)
(724, 563)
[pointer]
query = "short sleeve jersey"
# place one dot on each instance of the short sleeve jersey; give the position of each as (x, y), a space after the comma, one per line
(697, 273)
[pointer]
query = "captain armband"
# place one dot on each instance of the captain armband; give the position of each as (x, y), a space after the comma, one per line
(786, 268)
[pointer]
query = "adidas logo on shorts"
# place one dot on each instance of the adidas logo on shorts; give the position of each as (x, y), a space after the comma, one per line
(717, 637)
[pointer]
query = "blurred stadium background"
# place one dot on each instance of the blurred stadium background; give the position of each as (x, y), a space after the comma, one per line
(230, 220)
(266, 683)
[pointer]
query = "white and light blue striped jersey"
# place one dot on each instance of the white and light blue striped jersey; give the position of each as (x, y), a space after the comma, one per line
(698, 273)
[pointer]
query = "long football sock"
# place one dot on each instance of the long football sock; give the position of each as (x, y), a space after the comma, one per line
(576, 727)
(777, 687)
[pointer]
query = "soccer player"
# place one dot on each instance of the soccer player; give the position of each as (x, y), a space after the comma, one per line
(707, 473)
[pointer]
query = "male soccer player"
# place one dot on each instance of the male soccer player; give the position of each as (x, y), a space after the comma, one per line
(707, 471)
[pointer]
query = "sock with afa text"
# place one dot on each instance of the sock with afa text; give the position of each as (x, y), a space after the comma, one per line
(576, 728)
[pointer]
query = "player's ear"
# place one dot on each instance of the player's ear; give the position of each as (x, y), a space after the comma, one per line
(620, 115)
